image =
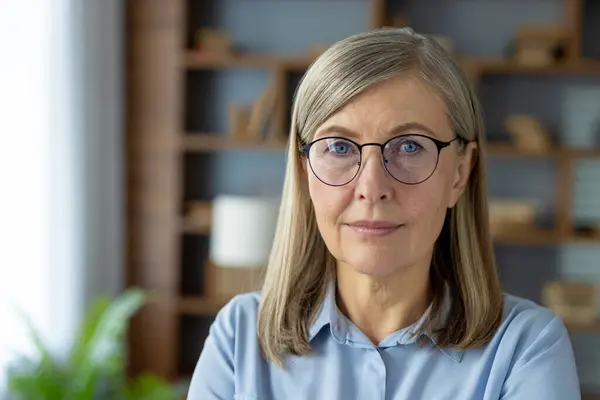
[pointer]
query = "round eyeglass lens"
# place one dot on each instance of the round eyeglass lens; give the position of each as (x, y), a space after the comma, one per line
(411, 159)
(334, 161)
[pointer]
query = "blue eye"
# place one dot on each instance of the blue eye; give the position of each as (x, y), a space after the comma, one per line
(339, 147)
(410, 146)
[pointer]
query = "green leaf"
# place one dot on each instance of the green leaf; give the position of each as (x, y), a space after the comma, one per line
(95, 367)
(104, 344)
(149, 387)
(35, 377)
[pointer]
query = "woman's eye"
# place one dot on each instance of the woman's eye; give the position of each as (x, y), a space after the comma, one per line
(410, 147)
(339, 148)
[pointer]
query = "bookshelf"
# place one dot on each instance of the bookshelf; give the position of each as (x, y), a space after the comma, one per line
(177, 129)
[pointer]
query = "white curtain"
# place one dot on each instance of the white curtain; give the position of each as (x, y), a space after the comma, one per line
(60, 165)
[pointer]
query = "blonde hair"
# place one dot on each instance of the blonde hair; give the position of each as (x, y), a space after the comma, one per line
(300, 266)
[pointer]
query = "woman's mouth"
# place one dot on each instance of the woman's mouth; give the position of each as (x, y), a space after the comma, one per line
(374, 228)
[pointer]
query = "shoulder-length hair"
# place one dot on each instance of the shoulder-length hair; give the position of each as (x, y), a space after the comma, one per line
(300, 266)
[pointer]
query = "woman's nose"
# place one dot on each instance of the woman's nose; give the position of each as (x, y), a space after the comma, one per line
(373, 181)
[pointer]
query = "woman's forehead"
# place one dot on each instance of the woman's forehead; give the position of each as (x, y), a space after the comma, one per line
(390, 108)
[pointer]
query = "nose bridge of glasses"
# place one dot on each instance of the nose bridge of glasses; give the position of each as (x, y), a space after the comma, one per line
(376, 151)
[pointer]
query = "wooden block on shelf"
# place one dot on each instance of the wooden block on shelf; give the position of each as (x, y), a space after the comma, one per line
(535, 56)
(199, 215)
(540, 46)
(541, 33)
(528, 133)
(574, 302)
(261, 113)
(228, 282)
(239, 117)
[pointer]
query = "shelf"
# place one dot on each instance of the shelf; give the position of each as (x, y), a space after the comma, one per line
(583, 328)
(508, 67)
(529, 236)
(507, 149)
(202, 306)
(197, 60)
(205, 142)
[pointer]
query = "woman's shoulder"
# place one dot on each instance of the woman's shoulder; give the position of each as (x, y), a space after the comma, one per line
(519, 311)
(527, 325)
(239, 313)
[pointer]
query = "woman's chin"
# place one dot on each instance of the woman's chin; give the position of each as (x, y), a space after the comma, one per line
(377, 266)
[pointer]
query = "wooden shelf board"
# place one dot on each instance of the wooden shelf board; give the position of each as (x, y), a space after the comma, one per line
(508, 149)
(196, 60)
(203, 142)
(509, 67)
(583, 328)
(529, 236)
(204, 306)
(193, 59)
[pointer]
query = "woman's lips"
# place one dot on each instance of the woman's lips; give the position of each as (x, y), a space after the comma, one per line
(374, 228)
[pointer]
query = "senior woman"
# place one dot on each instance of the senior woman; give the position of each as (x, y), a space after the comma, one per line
(381, 282)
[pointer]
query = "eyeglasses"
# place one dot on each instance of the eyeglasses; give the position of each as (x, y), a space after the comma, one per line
(410, 158)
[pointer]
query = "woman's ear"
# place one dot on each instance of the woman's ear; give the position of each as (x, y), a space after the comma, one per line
(465, 163)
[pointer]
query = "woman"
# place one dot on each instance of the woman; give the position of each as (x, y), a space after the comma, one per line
(382, 282)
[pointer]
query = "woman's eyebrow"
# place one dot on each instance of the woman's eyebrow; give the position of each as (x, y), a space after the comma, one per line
(397, 130)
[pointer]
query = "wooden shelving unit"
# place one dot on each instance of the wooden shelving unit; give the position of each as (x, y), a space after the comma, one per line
(164, 146)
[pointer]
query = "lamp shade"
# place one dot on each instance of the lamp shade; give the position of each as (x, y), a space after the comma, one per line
(242, 231)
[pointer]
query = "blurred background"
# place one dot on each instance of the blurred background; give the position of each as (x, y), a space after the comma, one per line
(145, 146)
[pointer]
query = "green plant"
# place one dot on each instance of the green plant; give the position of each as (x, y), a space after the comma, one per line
(95, 367)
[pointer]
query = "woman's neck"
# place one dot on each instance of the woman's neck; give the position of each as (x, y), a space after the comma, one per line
(381, 306)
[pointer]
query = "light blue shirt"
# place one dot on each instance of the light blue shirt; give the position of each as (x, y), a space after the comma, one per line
(529, 358)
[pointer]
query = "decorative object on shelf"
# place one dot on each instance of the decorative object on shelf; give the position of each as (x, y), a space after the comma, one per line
(242, 234)
(242, 230)
(239, 117)
(528, 133)
(199, 214)
(261, 114)
(540, 46)
(574, 302)
(214, 41)
(509, 216)
(253, 124)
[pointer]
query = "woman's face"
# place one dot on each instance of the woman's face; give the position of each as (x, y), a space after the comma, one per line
(375, 224)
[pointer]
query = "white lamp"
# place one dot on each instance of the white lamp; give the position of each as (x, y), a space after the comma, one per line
(242, 231)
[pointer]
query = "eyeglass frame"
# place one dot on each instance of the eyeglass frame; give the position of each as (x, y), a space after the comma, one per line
(439, 144)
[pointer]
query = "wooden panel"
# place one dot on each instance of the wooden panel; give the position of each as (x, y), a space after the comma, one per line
(155, 14)
(573, 21)
(154, 97)
(378, 13)
(564, 187)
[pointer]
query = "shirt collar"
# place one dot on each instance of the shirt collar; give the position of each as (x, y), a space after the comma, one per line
(343, 330)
